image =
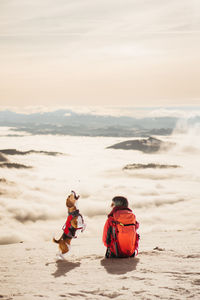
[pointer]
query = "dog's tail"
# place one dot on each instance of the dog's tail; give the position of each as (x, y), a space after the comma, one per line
(56, 241)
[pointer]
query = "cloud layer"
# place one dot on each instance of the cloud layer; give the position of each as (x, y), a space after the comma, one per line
(33, 201)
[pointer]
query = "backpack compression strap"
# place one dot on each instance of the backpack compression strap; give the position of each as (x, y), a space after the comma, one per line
(133, 224)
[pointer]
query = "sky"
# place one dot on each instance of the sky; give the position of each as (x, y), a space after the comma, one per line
(99, 52)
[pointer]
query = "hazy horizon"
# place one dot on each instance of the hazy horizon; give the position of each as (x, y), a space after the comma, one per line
(100, 121)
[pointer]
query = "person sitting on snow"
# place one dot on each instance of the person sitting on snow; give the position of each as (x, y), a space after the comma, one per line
(120, 230)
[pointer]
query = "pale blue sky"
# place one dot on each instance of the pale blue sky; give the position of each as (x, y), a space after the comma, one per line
(85, 52)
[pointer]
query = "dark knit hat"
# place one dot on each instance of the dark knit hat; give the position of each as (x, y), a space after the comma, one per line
(120, 201)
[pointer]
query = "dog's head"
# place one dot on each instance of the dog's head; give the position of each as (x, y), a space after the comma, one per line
(71, 199)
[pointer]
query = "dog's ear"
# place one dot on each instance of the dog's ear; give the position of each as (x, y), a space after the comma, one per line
(76, 197)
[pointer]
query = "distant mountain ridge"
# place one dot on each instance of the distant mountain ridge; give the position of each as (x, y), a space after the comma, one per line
(17, 152)
(149, 166)
(5, 163)
(68, 122)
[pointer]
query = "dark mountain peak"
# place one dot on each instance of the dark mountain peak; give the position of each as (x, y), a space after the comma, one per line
(149, 145)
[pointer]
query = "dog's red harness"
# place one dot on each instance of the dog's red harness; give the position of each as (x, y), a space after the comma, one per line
(67, 225)
(68, 229)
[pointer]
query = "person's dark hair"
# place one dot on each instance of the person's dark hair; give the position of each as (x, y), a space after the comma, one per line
(120, 201)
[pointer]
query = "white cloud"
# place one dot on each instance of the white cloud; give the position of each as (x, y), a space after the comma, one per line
(34, 207)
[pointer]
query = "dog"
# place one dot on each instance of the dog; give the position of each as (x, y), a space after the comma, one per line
(73, 225)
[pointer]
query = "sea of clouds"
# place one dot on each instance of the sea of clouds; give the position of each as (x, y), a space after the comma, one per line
(32, 201)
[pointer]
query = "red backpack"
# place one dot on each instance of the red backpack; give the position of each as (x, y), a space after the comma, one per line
(123, 236)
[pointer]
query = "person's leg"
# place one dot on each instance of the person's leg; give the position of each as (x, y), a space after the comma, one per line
(133, 255)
